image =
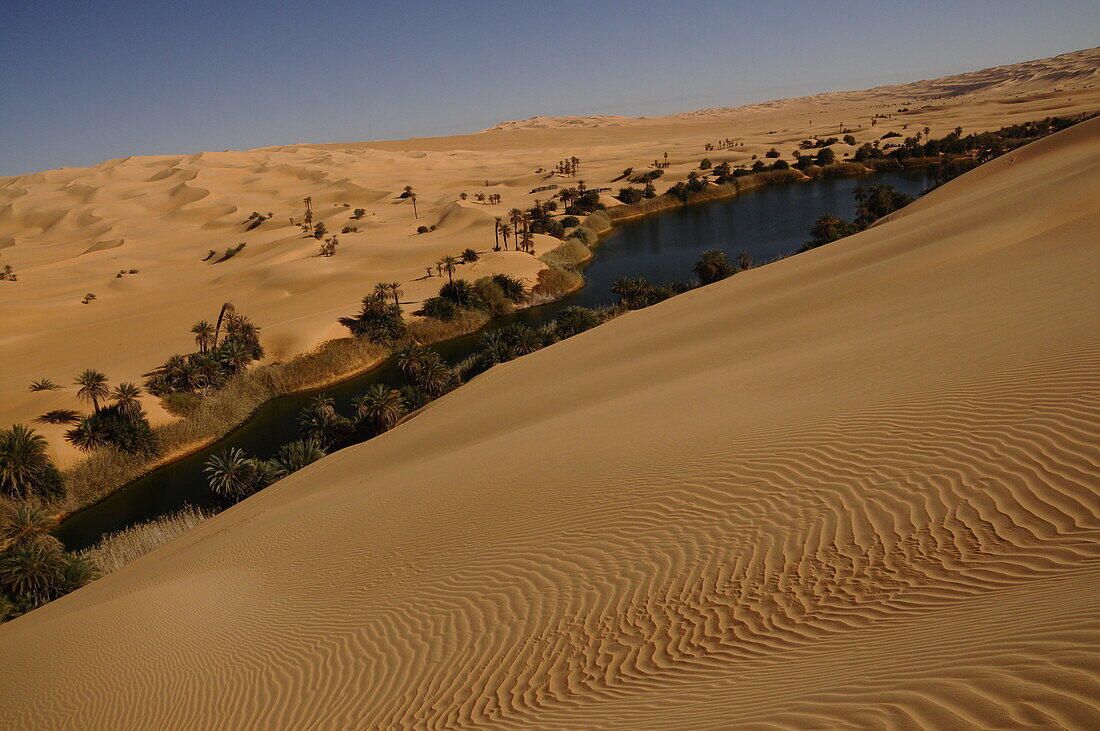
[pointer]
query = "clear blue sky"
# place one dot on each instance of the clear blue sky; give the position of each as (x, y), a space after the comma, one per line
(85, 81)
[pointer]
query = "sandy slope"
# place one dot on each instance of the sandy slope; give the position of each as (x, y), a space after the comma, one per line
(855, 488)
(68, 232)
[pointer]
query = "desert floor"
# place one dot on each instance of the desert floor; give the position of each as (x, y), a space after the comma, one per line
(854, 488)
(68, 232)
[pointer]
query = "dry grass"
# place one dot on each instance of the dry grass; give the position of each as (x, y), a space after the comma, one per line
(568, 254)
(428, 330)
(119, 549)
(555, 282)
(842, 170)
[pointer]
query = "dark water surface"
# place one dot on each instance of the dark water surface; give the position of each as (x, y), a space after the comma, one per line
(768, 223)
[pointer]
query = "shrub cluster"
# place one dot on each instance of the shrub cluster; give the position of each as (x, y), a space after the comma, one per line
(34, 569)
(225, 349)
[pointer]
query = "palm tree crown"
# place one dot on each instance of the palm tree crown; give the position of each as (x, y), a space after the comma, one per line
(93, 387)
(204, 335)
(25, 467)
(379, 405)
(128, 397)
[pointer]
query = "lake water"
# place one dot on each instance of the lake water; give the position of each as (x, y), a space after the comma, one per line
(768, 223)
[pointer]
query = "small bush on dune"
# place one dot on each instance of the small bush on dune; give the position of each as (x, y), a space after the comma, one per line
(43, 384)
(59, 416)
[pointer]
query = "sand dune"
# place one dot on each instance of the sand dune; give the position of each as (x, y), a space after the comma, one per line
(61, 229)
(856, 488)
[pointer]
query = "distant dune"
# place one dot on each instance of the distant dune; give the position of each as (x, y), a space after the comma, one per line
(68, 232)
(856, 488)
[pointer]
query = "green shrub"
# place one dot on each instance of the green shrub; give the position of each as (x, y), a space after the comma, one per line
(26, 470)
(378, 320)
(573, 320)
(181, 404)
(110, 426)
(461, 293)
(511, 287)
(438, 308)
(492, 298)
(713, 266)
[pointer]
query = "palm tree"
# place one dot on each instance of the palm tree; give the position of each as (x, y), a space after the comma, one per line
(29, 524)
(234, 355)
(380, 405)
(828, 228)
(516, 216)
(204, 335)
(33, 571)
(25, 466)
(320, 422)
(412, 197)
(187, 376)
(397, 292)
(496, 233)
(227, 309)
(505, 229)
(93, 387)
(436, 377)
(127, 397)
(744, 260)
(448, 264)
(411, 359)
(382, 290)
(567, 196)
(713, 266)
(231, 474)
(296, 455)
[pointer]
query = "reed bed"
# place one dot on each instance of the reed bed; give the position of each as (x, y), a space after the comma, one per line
(126, 546)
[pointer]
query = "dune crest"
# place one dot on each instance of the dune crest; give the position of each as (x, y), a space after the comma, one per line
(854, 488)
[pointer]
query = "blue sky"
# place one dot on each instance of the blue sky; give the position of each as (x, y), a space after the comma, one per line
(82, 82)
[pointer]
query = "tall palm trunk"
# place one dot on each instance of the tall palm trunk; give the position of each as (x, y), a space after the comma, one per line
(221, 316)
